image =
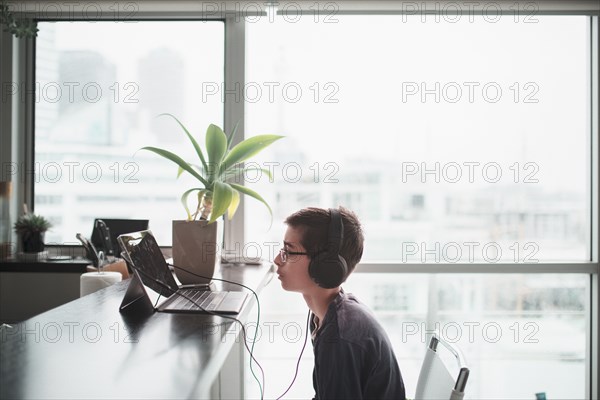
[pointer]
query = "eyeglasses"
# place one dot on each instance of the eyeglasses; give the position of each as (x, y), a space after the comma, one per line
(284, 254)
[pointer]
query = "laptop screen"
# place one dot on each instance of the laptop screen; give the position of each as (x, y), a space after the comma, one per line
(145, 254)
(117, 227)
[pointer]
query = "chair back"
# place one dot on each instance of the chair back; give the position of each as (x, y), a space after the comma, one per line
(435, 381)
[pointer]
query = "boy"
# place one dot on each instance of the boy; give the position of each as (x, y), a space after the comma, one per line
(353, 355)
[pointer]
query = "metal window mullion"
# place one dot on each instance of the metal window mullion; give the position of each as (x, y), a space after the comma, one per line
(6, 123)
(109, 9)
(235, 49)
(29, 122)
(593, 367)
(480, 268)
(234, 79)
(503, 8)
(22, 123)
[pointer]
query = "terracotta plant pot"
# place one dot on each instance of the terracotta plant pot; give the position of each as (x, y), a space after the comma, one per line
(197, 248)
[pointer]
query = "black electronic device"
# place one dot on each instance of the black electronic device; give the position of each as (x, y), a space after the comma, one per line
(328, 269)
(136, 301)
(115, 228)
(90, 250)
(104, 233)
(143, 253)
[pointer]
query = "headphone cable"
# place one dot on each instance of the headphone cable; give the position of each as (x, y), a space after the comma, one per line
(251, 350)
(299, 357)
(243, 329)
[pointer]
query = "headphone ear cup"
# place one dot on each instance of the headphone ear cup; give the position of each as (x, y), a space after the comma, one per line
(328, 273)
(343, 267)
(313, 269)
(329, 269)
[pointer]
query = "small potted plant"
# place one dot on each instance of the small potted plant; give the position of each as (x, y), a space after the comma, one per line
(195, 244)
(31, 229)
(20, 27)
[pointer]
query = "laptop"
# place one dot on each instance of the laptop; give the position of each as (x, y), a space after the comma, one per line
(144, 255)
(114, 228)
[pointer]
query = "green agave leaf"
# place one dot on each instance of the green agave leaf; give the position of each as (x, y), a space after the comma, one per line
(232, 135)
(240, 170)
(251, 193)
(177, 160)
(263, 170)
(194, 142)
(216, 146)
(222, 197)
(235, 202)
(198, 168)
(246, 149)
(184, 198)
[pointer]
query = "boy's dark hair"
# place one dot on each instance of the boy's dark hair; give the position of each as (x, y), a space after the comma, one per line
(313, 223)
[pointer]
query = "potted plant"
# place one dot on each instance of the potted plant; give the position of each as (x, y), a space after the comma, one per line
(195, 245)
(19, 27)
(31, 229)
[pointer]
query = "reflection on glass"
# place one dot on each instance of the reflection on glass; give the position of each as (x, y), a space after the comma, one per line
(454, 142)
(521, 333)
(99, 89)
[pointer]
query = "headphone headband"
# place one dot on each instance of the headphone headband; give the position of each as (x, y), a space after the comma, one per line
(336, 233)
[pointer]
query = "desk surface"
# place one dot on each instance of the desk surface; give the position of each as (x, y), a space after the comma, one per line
(87, 349)
(75, 265)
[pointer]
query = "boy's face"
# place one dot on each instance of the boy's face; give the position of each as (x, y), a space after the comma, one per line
(293, 273)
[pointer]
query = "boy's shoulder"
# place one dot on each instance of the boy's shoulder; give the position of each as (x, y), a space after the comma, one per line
(354, 321)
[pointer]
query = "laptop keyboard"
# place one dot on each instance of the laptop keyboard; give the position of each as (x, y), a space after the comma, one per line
(206, 299)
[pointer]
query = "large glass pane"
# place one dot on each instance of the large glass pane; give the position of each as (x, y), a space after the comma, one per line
(454, 141)
(521, 334)
(99, 89)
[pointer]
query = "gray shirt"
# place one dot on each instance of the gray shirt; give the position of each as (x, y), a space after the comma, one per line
(353, 355)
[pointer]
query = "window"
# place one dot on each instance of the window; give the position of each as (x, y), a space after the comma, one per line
(455, 143)
(99, 89)
(507, 325)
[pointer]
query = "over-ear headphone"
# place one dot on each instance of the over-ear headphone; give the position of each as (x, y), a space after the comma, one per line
(329, 269)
